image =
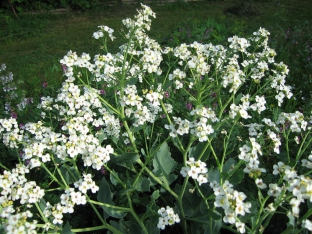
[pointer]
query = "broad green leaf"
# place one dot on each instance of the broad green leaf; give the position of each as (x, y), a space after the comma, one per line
(237, 177)
(155, 195)
(213, 226)
(215, 215)
(112, 177)
(125, 160)
(133, 227)
(228, 165)
(42, 204)
(164, 165)
(190, 201)
(238, 98)
(214, 175)
(70, 174)
(101, 136)
(67, 229)
(115, 212)
(196, 151)
(142, 185)
(151, 226)
(105, 196)
(119, 225)
(65, 173)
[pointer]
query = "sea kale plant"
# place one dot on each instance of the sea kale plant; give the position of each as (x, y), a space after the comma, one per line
(192, 139)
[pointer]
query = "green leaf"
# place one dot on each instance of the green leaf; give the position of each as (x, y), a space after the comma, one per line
(214, 175)
(215, 215)
(237, 177)
(191, 201)
(65, 173)
(196, 151)
(70, 174)
(142, 185)
(119, 225)
(67, 229)
(112, 177)
(213, 226)
(126, 160)
(164, 165)
(155, 195)
(101, 136)
(151, 226)
(105, 196)
(229, 165)
(238, 98)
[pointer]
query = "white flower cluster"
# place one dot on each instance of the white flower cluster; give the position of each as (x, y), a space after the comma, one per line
(232, 202)
(307, 162)
(242, 109)
(300, 186)
(197, 170)
(238, 44)
(103, 30)
(295, 121)
(249, 153)
(141, 111)
(232, 75)
(10, 132)
(17, 223)
(69, 199)
(199, 128)
(15, 187)
(168, 217)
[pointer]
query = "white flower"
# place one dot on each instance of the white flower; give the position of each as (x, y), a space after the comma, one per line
(307, 224)
(194, 172)
(260, 184)
(168, 217)
(274, 190)
(240, 227)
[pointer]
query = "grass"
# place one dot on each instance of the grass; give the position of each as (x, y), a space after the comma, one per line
(32, 45)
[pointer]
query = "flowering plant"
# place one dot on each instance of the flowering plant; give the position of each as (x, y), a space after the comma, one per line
(193, 136)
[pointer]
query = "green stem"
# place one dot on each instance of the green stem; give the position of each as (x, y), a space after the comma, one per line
(226, 143)
(116, 176)
(90, 229)
(287, 145)
(151, 174)
(53, 177)
(301, 146)
(135, 215)
(120, 208)
(214, 153)
(41, 214)
(4, 167)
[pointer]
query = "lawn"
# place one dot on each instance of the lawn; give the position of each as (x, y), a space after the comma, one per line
(33, 44)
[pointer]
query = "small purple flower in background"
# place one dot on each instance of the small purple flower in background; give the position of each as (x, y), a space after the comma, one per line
(163, 116)
(166, 94)
(98, 128)
(27, 162)
(103, 171)
(45, 84)
(189, 106)
(102, 92)
(14, 115)
(64, 67)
